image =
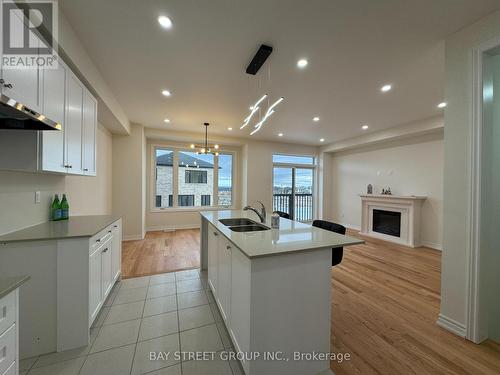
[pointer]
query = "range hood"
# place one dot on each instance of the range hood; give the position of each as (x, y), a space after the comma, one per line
(16, 116)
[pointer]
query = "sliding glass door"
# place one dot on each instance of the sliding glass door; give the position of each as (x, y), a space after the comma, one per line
(293, 186)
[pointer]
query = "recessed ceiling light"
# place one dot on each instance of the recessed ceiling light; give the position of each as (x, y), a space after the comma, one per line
(280, 134)
(229, 129)
(192, 146)
(302, 63)
(166, 93)
(386, 88)
(165, 22)
(442, 105)
(322, 139)
(364, 127)
(166, 120)
(316, 119)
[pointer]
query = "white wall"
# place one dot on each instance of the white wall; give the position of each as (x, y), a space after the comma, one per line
(408, 167)
(86, 195)
(458, 128)
(490, 205)
(129, 181)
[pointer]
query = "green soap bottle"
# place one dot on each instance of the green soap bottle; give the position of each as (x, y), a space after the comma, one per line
(55, 210)
(64, 208)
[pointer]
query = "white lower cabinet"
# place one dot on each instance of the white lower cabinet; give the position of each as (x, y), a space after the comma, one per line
(104, 266)
(224, 278)
(9, 341)
(213, 246)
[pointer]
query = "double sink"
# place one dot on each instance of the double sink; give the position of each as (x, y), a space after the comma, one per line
(243, 225)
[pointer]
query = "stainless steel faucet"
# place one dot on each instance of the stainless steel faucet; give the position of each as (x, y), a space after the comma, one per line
(261, 214)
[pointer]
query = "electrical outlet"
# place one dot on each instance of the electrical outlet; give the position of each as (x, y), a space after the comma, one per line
(37, 197)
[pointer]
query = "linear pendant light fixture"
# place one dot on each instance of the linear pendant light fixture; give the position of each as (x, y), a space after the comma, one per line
(254, 109)
(268, 114)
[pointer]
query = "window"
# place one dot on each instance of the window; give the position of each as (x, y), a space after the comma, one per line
(164, 177)
(205, 200)
(186, 179)
(186, 200)
(293, 186)
(293, 159)
(196, 177)
(225, 183)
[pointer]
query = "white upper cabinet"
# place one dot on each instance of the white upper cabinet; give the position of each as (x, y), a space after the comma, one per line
(89, 134)
(74, 125)
(54, 94)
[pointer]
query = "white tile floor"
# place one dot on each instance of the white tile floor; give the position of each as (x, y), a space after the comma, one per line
(161, 313)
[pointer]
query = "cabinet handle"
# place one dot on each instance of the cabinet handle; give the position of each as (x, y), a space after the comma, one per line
(70, 166)
(85, 169)
(115, 226)
(98, 240)
(109, 231)
(6, 85)
(216, 234)
(228, 247)
(105, 250)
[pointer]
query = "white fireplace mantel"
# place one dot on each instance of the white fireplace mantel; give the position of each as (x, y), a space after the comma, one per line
(408, 206)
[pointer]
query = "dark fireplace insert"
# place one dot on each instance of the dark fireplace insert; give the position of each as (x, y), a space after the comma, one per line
(387, 222)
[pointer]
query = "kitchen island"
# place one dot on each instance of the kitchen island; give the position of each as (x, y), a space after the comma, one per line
(273, 289)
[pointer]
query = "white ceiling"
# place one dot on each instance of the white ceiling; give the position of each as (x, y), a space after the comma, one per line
(353, 48)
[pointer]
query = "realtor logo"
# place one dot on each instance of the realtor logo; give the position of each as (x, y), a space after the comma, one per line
(29, 31)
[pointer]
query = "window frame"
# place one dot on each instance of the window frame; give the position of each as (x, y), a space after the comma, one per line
(175, 181)
(294, 167)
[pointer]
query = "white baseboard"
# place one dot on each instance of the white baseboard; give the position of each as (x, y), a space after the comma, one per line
(172, 227)
(451, 325)
(133, 237)
(349, 226)
(432, 245)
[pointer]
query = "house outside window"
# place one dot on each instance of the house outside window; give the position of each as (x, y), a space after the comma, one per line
(192, 181)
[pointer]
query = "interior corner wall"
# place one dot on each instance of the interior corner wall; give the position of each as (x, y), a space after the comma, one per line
(129, 181)
(325, 179)
(411, 166)
(457, 157)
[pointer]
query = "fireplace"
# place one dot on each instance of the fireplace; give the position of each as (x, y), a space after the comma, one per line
(387, 222)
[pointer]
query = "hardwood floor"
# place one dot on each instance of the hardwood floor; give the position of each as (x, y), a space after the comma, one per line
(385, 306)
(161, 252)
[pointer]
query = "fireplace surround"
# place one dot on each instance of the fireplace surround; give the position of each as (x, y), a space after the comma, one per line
(392, 218)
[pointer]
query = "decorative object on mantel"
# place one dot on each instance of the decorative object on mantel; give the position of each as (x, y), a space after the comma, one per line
(206, 148)
(386, 192)
(369, 189)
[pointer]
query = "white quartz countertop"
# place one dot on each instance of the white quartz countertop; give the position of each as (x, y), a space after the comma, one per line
(292, 236)
(75, 226)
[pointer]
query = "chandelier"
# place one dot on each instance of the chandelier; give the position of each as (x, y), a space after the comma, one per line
(205, 148)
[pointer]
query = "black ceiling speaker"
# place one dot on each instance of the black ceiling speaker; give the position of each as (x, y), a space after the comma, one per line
(259, 59)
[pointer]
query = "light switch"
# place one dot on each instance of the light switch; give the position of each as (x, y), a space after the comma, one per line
(37, 197)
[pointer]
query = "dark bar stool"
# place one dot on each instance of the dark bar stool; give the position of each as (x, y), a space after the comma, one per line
(337, 252)
(282, 214)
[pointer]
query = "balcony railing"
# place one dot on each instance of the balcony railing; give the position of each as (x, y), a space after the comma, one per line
(302, 210)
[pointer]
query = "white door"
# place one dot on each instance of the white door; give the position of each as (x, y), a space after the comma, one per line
(224, 278)
(107, 278)
(74, 122)
(89, 134)
(95, 282)
(116, 257)
(213, 244)
(54, 95)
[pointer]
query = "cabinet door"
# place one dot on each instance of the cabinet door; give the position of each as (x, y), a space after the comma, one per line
(213, 244)
(24, 85)
(54, 95)
(224, 278)
(74, 123)
(107, 278)
(89, 134)
(116, 258)
(95, 282)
